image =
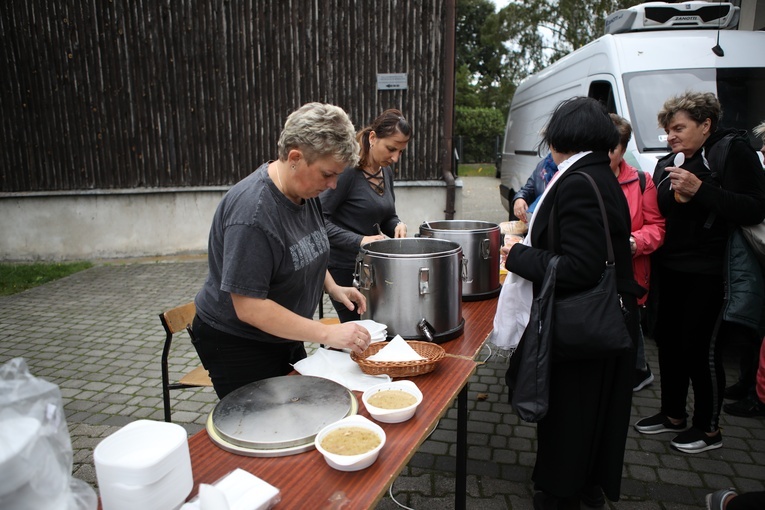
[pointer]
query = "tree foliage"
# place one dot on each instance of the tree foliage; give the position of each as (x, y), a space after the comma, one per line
(478, 129)
(497, 50)
(482, 71)
(539, 32)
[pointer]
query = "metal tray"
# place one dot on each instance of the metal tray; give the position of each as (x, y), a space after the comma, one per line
(279, 416)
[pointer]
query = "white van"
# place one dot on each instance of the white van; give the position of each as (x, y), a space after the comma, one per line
(650, 52)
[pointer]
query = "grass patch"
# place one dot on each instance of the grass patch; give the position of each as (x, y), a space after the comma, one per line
(19, 277)
(476, 169)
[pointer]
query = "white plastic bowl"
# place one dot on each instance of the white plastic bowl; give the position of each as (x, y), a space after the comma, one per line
(351, 462)
(392, 415)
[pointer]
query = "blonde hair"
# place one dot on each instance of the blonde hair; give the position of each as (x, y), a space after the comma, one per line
(319, 130)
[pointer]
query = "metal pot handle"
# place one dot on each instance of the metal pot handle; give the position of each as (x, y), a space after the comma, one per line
(424, 280)
(426, 329)
(363, 275)
(485, 248)
(465, 270)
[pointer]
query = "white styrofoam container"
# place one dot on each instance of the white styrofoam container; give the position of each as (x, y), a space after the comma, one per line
(146, 464)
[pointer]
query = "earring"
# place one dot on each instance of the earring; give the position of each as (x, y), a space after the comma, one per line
(293, 167)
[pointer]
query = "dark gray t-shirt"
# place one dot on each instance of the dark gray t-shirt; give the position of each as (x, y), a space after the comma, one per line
(352, 209)
(263, 245)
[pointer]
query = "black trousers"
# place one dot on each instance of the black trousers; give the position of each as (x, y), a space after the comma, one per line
(234, 361)
(690, 351)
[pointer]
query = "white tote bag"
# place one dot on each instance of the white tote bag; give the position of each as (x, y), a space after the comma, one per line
(513, 309)
(514, 304)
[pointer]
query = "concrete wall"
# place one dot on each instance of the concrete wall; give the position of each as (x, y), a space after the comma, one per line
(141, 223)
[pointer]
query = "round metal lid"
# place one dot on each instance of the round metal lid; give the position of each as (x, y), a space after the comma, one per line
(280, 415)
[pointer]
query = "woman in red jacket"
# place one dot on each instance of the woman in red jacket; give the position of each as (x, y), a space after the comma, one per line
(647, 230)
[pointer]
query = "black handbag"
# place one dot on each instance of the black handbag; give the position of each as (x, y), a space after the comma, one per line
(528, 376)
(591, 324)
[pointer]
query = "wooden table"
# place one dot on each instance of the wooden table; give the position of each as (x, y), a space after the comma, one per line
(306, 481)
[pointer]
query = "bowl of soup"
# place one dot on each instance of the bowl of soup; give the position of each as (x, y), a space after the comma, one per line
(351, 444)
(392, 402)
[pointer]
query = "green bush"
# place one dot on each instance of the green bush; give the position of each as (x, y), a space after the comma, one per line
(479, 129)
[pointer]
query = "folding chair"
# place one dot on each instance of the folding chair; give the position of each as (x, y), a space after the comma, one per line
(175, 321)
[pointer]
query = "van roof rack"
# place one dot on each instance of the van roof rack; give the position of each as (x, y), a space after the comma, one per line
(666, 16)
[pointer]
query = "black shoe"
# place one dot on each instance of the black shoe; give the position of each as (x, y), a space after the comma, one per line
(736, 391)
(659, 423)
(696, 440)
(749, 407)
(545, 501)
(718, 499)
(642, 378)
(592, 497)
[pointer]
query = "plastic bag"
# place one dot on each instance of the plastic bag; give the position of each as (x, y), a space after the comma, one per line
(35, 448)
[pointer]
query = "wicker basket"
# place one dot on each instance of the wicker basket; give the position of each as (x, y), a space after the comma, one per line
(431, 352)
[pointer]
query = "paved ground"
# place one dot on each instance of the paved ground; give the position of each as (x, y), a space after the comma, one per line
(97, 335)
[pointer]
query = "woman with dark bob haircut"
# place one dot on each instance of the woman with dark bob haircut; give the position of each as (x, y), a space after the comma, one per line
(581, 440)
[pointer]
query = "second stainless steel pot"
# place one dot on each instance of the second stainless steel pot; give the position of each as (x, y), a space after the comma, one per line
(480, 241)
(414, 286)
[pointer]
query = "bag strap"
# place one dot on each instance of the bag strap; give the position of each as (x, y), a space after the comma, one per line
(718, 155)
(641, 178)
(552, 232)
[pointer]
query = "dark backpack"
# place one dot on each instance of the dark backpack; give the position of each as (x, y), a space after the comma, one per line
(719, 152)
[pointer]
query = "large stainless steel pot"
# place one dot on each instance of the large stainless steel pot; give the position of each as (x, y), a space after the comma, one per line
(480, 241)
(414, 286)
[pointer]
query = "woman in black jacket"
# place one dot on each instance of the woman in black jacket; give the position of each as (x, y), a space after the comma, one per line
(581, 439)
(702, 196)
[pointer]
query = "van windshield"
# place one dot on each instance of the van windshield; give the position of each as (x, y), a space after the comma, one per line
(739, 92)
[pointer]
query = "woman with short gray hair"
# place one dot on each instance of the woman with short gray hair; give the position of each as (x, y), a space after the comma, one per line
(268, 253)
(704, 192)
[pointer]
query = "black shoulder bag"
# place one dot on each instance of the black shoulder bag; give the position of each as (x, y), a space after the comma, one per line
(591, 324)
(528, 376)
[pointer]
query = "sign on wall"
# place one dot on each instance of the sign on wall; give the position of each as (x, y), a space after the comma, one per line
(391, 81)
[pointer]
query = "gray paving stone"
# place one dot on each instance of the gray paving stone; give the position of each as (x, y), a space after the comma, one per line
(105, 360)
(434, 448)
(679, 477)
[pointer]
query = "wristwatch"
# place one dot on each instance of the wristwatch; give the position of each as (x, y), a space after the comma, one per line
(633, 245)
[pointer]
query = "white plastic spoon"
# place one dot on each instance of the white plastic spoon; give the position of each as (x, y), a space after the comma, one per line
(679, 160)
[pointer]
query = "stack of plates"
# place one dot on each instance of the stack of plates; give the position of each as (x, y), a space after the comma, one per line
(377, 331)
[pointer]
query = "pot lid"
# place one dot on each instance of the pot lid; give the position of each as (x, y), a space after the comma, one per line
(278, 416)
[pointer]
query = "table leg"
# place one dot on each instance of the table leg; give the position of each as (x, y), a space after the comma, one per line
(460, 482)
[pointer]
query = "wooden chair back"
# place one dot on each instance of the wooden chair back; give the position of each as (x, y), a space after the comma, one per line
(174, 321)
